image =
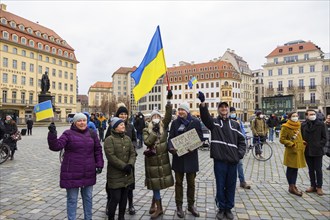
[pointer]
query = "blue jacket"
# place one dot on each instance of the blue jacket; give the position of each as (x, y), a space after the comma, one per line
(90, 124)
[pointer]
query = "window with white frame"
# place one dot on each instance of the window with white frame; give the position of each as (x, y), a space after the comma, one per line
(14, 38)
(31, 43)
(5, 35)
(14, 64)
(31, 67)
(5, 77)
(54, 61)
(71, 75)
(13, 24)
(30, 31)
(3, 21)
(47, 48)
(53, 50)
(31, 55)
(23, 80)
(31, 81)
(45, 36)
(65, 53)
(5, 62)
(40, 57)
(24, 53)
(5, 48)
(38, 33)
(14, 50)
(312, 68)
(54, 72)
(53, 85)
(60, 52)
(21, 27)
(313, 97)
(40, 46)
(23, 67)
(301, 69)
(40, 69)
(13, 96)
(30, 98)
(60, 86)
(14, 79)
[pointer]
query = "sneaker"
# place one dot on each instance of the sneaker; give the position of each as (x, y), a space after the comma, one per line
(221, 214)
(229, 214)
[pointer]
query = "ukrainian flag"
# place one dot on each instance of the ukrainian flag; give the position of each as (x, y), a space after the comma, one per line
(192, 82)
(44, 110)
(152, 67)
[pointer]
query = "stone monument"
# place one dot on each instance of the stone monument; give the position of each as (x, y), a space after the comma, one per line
(45, 94)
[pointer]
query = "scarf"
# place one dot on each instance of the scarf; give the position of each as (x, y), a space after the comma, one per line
(185, 122)
(292, 125)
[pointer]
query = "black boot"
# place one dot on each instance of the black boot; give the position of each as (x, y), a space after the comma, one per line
(12, 155)
(131, 209)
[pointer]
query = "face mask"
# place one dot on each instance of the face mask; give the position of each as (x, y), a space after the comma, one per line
(233, 115)
(312, 117)
(156, 120)
(7, 121)
(261, 116)
(140, 116)
(294, 119)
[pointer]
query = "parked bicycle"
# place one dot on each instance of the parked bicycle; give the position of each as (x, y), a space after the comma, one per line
(4, 151)
(259, 146)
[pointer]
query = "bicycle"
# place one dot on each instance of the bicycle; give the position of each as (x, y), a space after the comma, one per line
(265, 149)
(4, 152)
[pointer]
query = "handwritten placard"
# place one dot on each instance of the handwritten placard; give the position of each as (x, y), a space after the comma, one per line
(188, 141)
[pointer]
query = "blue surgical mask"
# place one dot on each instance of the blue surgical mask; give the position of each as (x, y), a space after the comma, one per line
(233, 115)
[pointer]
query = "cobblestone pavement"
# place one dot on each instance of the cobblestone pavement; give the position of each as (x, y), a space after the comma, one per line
(29, 188)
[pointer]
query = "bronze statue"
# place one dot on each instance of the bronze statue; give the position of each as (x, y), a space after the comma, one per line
(45, 84)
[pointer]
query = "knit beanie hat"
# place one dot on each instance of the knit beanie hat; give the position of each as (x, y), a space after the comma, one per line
(121, 109)
(184, 106)
(115, 121)
(232, 109)
(79, 116)
(155, 112)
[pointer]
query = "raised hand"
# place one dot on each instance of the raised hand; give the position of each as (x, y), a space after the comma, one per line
(201, 96)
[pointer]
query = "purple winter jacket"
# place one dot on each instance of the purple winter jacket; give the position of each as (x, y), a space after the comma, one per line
(83, 154)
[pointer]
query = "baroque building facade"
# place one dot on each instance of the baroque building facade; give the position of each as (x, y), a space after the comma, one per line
(28, 50)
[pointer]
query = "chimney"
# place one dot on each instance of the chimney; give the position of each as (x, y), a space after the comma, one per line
(3, 7)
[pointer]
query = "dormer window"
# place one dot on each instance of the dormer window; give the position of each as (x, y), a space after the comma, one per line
(31, 43)
(58, 41)
(60, 52)
(71, 56)
(280, 50)
(53, 50)
(290, 48)
(5, 35)
(51, 38)
(21, 27)
(47, 48)
(66, 54)
(64, 42)
(38, 33)
(45, 36)
(14, 37)
(301, 47)
(30, 31)
(40, 46)
(12, 24)
(3, 21)
(23, 40)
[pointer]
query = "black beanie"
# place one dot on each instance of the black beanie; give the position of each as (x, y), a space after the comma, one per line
(121, 109)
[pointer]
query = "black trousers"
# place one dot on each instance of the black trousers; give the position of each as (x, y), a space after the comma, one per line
(315, 170)
(291, 175)
(29, 131)
(118, 196)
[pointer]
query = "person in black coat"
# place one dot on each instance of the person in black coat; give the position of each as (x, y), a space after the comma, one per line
(313, 132)
(29, 124)
(10, 129)
(139, 125)
(187, 163)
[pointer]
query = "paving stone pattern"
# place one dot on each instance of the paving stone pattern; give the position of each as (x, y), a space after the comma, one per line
(29, 188)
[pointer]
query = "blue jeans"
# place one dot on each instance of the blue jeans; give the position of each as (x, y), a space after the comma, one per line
(240, 171)
(72, 199)
(271, 134)
(156, 194)
(225, 177)
(139, 136)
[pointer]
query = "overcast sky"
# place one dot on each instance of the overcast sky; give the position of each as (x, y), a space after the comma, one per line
(109, 34)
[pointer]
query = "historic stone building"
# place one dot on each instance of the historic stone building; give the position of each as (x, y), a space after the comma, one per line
(28, 50)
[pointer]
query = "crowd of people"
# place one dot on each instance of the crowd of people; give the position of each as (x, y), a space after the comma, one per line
(305, 144)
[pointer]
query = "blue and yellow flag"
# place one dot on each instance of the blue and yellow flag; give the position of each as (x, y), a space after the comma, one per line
(43, 110)
(192, 82)
(151, 68)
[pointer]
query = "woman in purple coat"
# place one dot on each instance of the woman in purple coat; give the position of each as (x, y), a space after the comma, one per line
(83, 159)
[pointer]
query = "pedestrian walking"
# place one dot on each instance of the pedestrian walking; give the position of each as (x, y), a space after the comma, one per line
(102, 121)
(10, 128)
(139, 125)
(327, 129)
(121, 156)
(29, 125)
(82, 160)
(186, 164)
(272, 123)
(294, 144)
(157, 161)
(227, 148)
(259, 131)
(313, 132)
(240, 171)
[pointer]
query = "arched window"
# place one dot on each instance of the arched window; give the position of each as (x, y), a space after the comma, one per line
(45, 36)
(3, 21)
(38, 33)
(21, 27)
(71, 56)
(226, 83)
(53, 50)
(60, 52)
(13, 24)
(5, 35)
(31, 43)
(40, 46)
(47, 48)
(14, 37)
(23, 40)
(66, 53)
(30, 31)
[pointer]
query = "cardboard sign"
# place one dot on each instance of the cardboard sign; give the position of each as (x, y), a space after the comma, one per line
(188, 141)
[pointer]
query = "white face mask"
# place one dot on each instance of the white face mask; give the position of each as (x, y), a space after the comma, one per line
(295, 119)
(261, 116)
(312, 117)
(156, 120)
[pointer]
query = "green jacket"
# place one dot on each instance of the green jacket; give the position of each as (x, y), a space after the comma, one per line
(119, 151)
(291, 138)
(158, 168)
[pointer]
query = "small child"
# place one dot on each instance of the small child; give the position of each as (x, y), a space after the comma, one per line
(121, 156)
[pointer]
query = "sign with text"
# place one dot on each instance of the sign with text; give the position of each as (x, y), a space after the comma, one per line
(188, 141)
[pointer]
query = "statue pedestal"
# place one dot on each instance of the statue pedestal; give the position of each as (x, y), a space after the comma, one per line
(45, 97)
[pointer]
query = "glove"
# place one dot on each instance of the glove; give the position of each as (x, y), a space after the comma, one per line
(52, 128)
(98, 170)
(328, 154)
(128, 169)
(173, 150)
(156, 128)
(201, 96)
(169, 94)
